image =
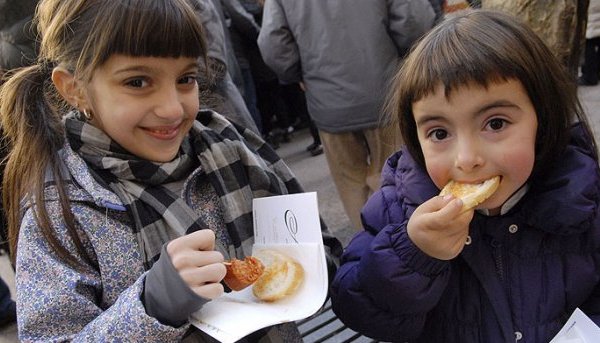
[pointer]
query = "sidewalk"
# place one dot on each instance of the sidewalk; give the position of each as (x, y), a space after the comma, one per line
(313, 174)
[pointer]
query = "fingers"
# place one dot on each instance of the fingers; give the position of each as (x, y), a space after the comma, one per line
(437, 203)
(209, 291)
(198, 240)
(192, 258)
(198, 265)
(452, 207)
(448, 208)
(439, 228)
(205, 280)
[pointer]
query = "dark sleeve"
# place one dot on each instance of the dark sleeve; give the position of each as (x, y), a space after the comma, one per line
(166, 296)
(241, 19)
(333, 250)
(277, 44)
(385, 285)
(408, 21)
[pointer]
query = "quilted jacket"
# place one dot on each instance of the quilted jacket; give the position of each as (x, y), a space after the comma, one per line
(519, 280)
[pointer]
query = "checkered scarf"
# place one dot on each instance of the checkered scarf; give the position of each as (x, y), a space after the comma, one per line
(237, 163)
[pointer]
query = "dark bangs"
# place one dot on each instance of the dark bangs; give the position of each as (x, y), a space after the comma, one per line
(158, 28)
(455, 57)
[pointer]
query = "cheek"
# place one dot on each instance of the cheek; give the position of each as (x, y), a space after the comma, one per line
(438, 169)
(192, 101)
(518, 163)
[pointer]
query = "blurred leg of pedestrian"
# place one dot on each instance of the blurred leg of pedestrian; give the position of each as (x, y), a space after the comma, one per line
(273, 112)
(355, 160)
(295, 98)
(250, 97)
(591, 63)
(315, 148)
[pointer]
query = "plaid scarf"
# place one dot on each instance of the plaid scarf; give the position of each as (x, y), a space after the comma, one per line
(238, 164)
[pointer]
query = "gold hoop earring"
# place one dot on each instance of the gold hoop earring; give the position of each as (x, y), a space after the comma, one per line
(88, 115)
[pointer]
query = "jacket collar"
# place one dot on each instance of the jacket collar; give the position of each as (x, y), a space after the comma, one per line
(74, 170)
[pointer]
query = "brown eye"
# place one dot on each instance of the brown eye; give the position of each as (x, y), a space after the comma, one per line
(496, 124)
(190, 79)
(438, 135)
(136, 83)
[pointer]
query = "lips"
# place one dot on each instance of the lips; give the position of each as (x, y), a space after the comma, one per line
(476, 182)
(163, 132)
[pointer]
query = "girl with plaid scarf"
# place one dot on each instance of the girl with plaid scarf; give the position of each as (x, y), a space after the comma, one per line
(122, 198)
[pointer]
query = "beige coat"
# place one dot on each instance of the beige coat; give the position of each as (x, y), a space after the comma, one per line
(593, 25)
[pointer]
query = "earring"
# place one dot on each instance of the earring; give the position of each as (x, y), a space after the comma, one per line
(88, 115)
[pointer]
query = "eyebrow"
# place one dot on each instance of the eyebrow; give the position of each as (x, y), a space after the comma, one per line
(146, 69)
(478, 112)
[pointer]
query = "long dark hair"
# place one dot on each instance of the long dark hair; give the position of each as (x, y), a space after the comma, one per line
(79, 35)
(484, 47)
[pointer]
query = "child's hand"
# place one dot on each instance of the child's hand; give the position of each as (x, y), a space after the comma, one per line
(438, 228)
(200, 267)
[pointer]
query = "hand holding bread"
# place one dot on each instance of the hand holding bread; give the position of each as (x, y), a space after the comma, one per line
(440, 226)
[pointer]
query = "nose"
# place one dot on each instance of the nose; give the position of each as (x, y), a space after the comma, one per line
(169, 104)
(468, 155)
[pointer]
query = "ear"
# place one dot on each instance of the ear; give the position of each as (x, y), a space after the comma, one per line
(68, 87)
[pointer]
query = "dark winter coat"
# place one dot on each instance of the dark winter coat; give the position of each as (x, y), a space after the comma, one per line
(519, 280)
(17, 39)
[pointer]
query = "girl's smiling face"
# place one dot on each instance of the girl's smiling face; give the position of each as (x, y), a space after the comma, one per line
(477, 133)
(146, 104)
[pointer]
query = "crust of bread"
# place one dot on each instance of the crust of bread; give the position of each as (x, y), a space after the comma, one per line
(282, 276)
(242, 273)
(471, 194)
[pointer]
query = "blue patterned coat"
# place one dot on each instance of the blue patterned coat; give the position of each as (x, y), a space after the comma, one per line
(102, 302)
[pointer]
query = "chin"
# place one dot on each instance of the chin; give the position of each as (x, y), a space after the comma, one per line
(161, 157)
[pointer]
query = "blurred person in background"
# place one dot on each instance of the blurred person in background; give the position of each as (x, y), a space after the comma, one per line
(345, 53)
(591, 64)
(221, 89)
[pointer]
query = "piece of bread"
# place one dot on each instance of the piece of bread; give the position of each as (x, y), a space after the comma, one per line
(471, 194)
(282, 276)
(242, 273)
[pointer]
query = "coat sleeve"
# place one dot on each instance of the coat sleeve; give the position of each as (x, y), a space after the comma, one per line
(386, 285)
(277, 44)
(408, 21)
(241, 19)
(57, 302)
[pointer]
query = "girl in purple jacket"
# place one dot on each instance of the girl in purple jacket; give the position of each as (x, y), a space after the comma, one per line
(480, 96)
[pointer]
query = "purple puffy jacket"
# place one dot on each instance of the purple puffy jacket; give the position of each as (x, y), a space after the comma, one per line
(519, 280)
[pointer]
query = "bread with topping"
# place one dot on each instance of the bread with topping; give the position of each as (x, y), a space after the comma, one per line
(471, 194)
(282, 276)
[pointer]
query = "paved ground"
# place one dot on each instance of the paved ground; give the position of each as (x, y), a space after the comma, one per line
(313, 173)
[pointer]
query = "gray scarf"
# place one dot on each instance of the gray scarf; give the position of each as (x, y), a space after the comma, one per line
(237, 163)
